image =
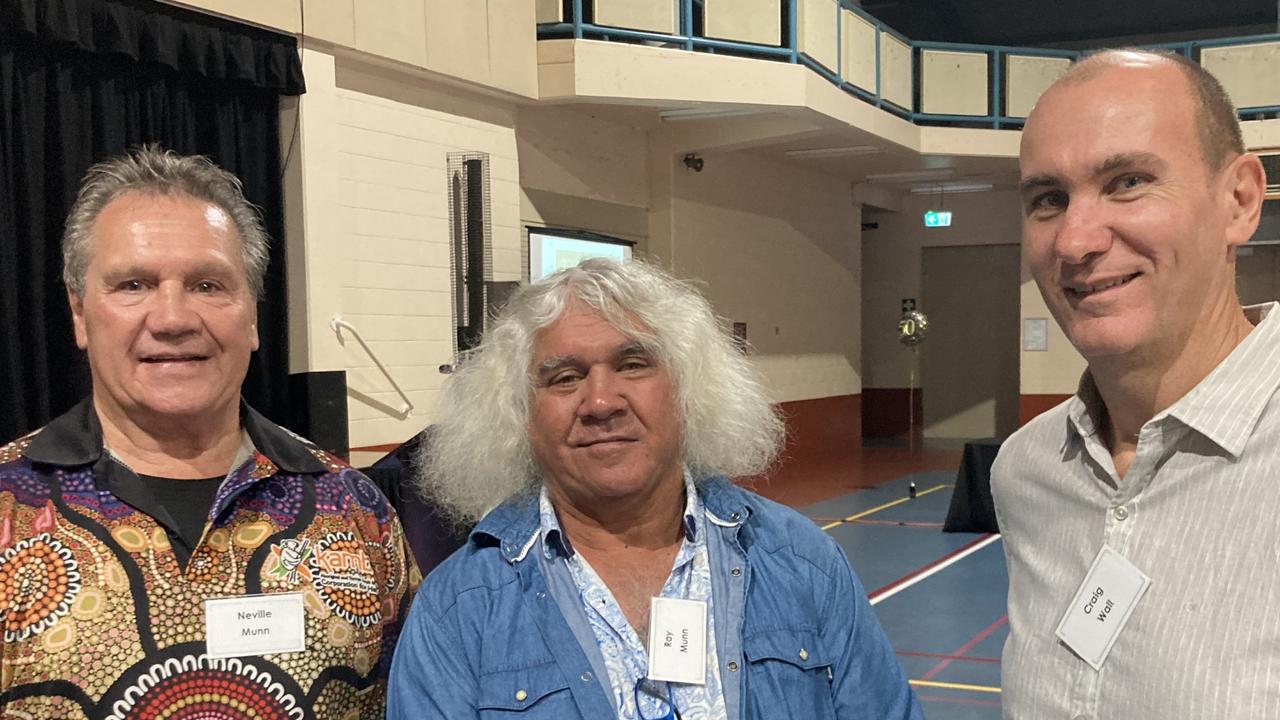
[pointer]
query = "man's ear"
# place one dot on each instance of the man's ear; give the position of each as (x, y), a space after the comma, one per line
(77, 318)
(1245, 189)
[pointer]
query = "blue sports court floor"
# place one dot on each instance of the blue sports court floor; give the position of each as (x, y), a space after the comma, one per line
(940, 596)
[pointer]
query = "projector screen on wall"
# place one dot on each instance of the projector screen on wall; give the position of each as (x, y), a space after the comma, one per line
(552, 250)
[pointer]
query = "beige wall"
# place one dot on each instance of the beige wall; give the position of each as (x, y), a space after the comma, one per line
(581, 171)
(891, 268)
(488, 42)
(373, 151)
(778, 249)
(772, 245)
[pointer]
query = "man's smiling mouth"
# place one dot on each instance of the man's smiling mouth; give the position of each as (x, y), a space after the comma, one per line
(1081, 291)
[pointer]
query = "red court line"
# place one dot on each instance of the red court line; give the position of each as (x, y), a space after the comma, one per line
(982, 635)
(925, 568)
(957, 700)
(962, 658)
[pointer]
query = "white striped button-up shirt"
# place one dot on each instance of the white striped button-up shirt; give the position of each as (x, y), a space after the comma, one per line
(1198, 512)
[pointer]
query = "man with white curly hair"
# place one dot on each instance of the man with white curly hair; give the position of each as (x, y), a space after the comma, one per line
(621, 574)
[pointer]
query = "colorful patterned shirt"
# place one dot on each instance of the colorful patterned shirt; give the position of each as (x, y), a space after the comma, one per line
(102, 605)
(624, 651)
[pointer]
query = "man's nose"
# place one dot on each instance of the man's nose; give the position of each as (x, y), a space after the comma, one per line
(1083, 233)
(172, 312)
(602, 398)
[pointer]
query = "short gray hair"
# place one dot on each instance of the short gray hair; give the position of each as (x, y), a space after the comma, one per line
(479, 450)
(153, 170)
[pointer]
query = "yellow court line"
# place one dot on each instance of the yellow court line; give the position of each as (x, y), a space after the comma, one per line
(878, 508)
(954, 686)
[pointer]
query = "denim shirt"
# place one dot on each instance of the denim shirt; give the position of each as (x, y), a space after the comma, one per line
(625, 653)
(487, 637)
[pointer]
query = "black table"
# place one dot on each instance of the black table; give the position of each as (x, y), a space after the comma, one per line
(971, 507)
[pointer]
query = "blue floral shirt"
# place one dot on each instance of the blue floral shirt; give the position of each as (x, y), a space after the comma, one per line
(624, 651)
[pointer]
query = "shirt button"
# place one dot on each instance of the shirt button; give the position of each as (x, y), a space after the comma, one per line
(521, 695)
(733, 666)
(1121, 513)
(586, 676)
(735, 572)
(735, 517)
(542, 595)
(804, 654)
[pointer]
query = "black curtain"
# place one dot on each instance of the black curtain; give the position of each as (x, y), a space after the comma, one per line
(81, 81)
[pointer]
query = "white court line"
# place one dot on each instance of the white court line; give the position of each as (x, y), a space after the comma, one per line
(932, 571)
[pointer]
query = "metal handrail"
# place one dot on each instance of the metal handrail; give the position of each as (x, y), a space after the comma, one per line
(337, 324)
(787, 50)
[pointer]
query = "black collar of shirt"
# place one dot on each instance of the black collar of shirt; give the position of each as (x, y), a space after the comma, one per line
(75, 438)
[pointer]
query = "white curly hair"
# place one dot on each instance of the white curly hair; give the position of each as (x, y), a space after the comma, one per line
(478, 452)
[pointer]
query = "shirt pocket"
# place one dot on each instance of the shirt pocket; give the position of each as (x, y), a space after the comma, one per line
(537, 691)
(788, 675)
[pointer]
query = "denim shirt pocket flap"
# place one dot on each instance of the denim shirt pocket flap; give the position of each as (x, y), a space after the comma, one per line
(521, 688)
(794, 646)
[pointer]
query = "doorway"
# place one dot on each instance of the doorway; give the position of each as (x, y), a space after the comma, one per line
(969, 360)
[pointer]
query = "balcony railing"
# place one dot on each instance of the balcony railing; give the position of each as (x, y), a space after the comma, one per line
(924, 82)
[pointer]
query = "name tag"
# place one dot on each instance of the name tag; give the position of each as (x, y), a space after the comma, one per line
(254, 625)
(1101, 607)
(678, 640)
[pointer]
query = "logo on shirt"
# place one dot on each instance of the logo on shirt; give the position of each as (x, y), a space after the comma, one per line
(288, 560)
(343, 575)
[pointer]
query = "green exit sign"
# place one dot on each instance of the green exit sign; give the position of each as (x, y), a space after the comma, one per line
(937, 218)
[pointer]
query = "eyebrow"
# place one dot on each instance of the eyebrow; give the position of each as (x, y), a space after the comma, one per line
(1119, 161)
(558, 362)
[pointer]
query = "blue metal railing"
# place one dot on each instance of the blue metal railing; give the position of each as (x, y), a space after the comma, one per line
(788, 50)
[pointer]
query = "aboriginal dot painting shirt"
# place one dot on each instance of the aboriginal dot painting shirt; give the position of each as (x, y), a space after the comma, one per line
(624, 651)
(102, 604)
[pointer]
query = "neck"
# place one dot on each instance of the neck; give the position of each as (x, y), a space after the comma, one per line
(165, 447)
(653, 522)
(1137, 386)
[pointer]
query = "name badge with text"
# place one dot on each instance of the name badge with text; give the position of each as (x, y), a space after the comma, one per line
(1101, 607)
(678, 640)
(254, 625)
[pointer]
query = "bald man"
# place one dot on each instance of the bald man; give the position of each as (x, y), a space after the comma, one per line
(1140, 517)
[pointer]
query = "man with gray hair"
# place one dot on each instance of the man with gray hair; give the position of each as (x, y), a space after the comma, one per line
(621, 574)
(1139, 517)
(165, 551)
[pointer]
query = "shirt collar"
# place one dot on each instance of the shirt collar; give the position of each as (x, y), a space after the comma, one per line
(1226, 405)
(556, 542)
(75, 438)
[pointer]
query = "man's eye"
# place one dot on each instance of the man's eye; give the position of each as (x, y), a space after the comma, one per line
(206, 286)
(633, 364)
(1052, 200)
(130, 286)
(564, 379)
(1129, 182)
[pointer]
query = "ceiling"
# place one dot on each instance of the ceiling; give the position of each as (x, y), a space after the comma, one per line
(1045, 23)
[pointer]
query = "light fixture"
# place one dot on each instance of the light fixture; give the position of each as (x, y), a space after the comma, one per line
(912, 176)
(847, 151)
(705, 113)
(951, 187)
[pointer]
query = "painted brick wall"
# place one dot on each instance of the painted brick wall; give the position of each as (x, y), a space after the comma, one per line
(392, 146)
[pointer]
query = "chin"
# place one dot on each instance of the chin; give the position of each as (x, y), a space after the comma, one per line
(178, 407)
(1097, 346)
